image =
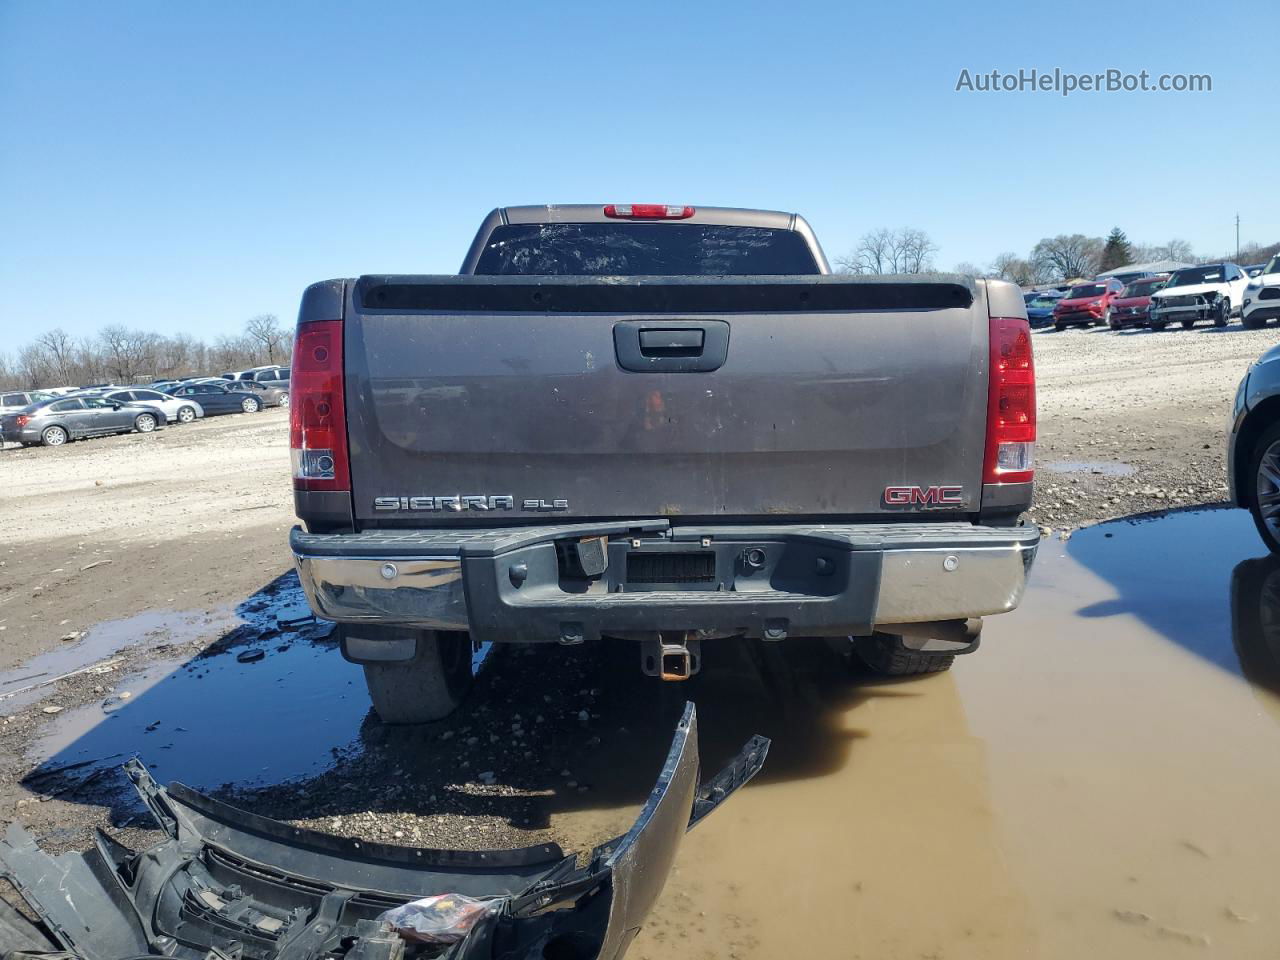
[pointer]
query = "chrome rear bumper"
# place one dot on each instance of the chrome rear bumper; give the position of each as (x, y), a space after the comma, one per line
(508, 584)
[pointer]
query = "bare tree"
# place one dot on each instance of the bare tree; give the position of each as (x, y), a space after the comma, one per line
(265, 328)
(128, 354)
(1068, 256)
(1178, 250)
(60, 350)
(33, 366)
(1011, 267)
(969, 269)
(907, 250)
(913, 251)
(871, 255)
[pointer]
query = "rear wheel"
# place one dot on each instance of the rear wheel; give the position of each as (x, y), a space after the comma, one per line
(54, 436)
(250, 404)
(1158, 325)
(1188, 323)
(1252, 324)
(886, 655)
(1058, 327)
(186, 414)
(284, 400)
(429, 687)
(1264, 498)
(144, 423)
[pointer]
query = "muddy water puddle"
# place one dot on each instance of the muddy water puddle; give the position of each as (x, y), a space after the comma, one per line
(248, 694)
(220, 720)
(1098, 779)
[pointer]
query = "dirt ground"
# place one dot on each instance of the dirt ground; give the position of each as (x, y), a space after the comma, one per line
(162, 560)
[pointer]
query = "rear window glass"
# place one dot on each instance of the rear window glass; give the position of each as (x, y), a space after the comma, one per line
(14, 400)
(1143, 288)
(643, 250)
(1086, 290)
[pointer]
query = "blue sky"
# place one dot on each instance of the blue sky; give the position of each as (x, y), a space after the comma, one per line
(185, 166)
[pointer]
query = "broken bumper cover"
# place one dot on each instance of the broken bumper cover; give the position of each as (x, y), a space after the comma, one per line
(509, 584)
(227, 883)
(1186, 308)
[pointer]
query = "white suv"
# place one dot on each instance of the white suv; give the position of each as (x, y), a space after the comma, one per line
(1262, 296)
(1210, 291)
(15, 400)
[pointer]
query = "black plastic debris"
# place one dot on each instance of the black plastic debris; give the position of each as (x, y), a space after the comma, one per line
(226, 884)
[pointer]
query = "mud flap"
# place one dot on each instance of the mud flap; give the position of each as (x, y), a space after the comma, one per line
(227, 884)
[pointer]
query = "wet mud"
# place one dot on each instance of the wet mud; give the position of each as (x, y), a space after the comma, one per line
(1097, 779)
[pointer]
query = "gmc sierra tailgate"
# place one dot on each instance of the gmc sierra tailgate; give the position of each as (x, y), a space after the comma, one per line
(697, 397)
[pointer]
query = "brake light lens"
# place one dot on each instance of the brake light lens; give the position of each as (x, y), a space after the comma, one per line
(647, 211)
(22, 420)
(1011, 404)
(317, 415)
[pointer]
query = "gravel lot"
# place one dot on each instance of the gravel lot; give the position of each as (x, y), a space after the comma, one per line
(1135, 421)
(193, 520)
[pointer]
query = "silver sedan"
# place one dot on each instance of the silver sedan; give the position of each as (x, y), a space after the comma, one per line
(55, 421)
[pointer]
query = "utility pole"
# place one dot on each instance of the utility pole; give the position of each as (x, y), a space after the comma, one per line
(1237, 238)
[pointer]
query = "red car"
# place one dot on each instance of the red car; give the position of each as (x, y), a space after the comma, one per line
(1087, 303)
(1129, 309)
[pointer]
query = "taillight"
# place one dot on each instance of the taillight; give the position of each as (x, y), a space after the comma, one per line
(317, 417)
(1011, 404)
(22, 420)
(647, 211)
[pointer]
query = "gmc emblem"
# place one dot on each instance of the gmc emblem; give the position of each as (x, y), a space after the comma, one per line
(939, 496)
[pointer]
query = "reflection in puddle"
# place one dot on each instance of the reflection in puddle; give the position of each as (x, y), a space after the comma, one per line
(1130, 766)
(250, 694)
(216, 720)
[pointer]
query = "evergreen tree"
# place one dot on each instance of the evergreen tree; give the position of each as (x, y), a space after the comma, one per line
(1117, 252)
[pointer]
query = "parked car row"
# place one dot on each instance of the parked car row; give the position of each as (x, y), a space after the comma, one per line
(52, 418)
(1209, 292)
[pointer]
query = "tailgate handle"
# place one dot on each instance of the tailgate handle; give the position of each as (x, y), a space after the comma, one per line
(684, 342)
(671, 346)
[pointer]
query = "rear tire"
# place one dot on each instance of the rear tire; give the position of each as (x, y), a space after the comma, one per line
(250, 404)
(186, 414)
(1058, 327)
(1252, 324)
(1158, 325)
(429, 687)
(1187, 324)
(144, 423)
(54, 436)
(1265, 485)
(885, 655)
(284, 400)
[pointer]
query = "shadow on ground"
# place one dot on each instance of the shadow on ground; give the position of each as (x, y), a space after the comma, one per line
(269, 716)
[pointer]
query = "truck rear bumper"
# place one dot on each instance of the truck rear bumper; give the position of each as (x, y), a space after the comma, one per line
(522, 584)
